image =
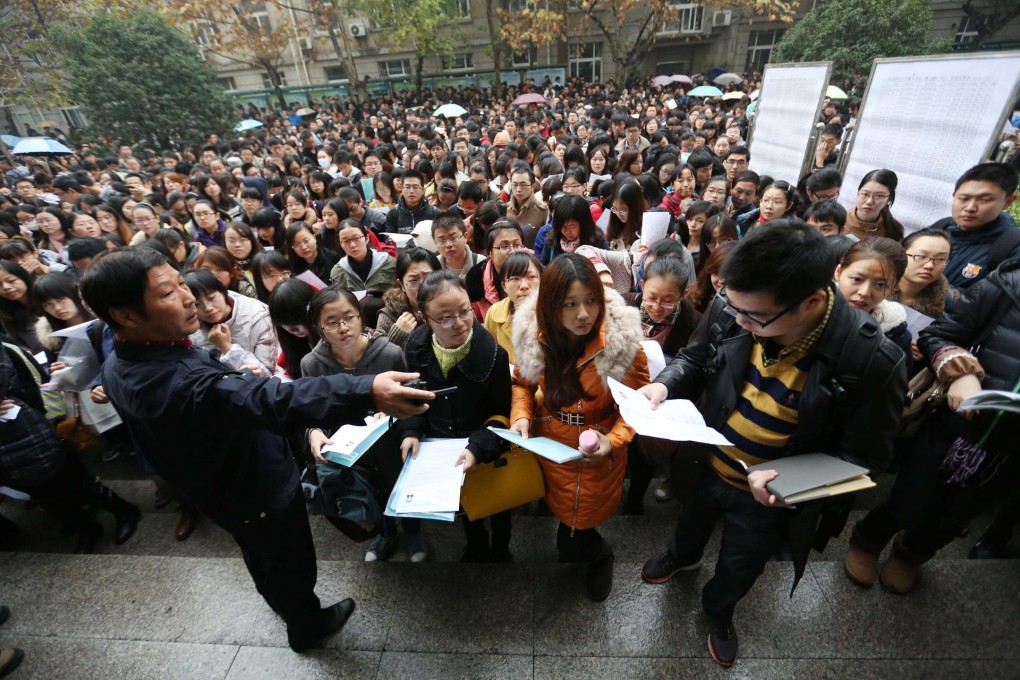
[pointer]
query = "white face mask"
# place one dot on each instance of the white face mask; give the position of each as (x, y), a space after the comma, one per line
(33, 225)
(323, 162)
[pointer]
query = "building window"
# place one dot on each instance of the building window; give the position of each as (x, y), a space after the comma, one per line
(518, 5)
(759, 47)
(267, 82)
(524, 58)
(206, 33)
(73, 117)
(335, 73)
(459, 62)
(690, 18)
(229, 85)
(259, 13)
(395, 67)
(586, 61)
(966, 31)
(463, 9)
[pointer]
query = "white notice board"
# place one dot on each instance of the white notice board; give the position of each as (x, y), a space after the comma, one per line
(789, 104)
(928, 119)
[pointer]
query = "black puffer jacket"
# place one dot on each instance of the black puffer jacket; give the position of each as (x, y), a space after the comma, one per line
(402, 220)
(997, 297)
(482, 398)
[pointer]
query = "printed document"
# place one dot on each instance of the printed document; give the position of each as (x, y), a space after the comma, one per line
(674, 419)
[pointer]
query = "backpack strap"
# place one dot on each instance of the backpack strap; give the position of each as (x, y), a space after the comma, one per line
(1002, 247)
(95, 333)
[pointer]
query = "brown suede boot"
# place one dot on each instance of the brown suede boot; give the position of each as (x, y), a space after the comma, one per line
(861, 562)
(899, 575)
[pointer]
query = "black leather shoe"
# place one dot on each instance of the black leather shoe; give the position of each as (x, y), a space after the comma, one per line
(598, 580)
(988, 549)
(722, 643)
(334, 618)
(5, 613)
(127, 518)
(88, 537)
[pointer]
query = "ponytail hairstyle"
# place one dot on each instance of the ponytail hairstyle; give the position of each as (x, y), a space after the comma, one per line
(888, 179)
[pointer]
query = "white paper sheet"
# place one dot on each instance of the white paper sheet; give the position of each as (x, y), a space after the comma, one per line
(309, 277)
(603, 222)
(928, 146)
(433, 480)
(78, 331)
(916, 321)
(11, 414)
(785, 117)
(674, 419)
(656, 359)
(654, 226)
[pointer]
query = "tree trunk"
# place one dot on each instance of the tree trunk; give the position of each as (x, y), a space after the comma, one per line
(274, 78)
(357, 85)
(418, 75)
(497, 43)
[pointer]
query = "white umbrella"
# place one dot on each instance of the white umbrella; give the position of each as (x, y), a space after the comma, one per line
(450, 111)
(729, 96)
(39, 146)
(833, 92)
(728, 78)
(661, 80)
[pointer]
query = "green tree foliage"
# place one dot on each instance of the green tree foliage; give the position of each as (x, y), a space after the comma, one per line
(137, 79)
(853, 33)
(429, 27)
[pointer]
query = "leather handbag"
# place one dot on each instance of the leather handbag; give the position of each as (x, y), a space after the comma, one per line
(924, 394)
(513, 479)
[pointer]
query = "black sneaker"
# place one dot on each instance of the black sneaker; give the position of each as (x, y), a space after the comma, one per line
(722, 643)
(988, 549)
(662, 568)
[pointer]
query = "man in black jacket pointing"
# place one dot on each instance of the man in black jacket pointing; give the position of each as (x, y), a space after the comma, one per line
(218, 435)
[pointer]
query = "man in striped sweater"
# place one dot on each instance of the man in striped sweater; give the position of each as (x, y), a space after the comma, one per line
(781, 365)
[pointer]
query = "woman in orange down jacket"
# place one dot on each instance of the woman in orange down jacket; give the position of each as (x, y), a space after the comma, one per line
(568, 339)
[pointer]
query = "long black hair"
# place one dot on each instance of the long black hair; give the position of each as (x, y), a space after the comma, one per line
(288, 306)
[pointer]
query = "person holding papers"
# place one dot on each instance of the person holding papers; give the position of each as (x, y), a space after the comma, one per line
(218, 435)
(780, 365)
(568, 339)
(572, 227)
(454, 350)
(346, 346)
(972, 347)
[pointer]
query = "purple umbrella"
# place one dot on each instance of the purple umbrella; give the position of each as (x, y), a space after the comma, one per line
(661, 80)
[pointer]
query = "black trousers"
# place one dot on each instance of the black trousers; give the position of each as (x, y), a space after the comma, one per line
(751, 535)
(914, 489)
(68, 495)
(477, 534)
(955, 506)
(579, 545)
(280, 556)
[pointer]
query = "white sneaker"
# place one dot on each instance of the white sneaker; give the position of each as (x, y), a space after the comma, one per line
(416, 547)
(381, 549)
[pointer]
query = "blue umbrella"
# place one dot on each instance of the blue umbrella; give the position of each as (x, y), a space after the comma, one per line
(249, 124)
(10, 140)
(705, 91)
(40, 146)
(713, 73)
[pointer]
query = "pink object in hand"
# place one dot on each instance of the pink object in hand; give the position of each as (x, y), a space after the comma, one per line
(588, 441)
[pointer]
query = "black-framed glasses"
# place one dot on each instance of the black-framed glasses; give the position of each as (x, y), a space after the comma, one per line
(731, 309)
(449, 321)
(925, 259)
(332, 326)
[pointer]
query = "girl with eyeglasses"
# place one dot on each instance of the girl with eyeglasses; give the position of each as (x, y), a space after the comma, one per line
(453, 349)
(399, 315)
(628, 205)
(871, 215)
(923, 286)
(362, 267)
(568, 339)
(668, 319)
(521, 273)
(346, 346)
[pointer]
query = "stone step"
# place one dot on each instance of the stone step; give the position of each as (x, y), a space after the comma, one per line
(633, 537)
(195, 612)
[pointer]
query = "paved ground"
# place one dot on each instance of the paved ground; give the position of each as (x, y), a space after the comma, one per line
(156, 608)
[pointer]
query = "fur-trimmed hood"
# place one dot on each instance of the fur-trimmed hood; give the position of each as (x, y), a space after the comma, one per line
(43, 328)
(931, 301)
(612, 350)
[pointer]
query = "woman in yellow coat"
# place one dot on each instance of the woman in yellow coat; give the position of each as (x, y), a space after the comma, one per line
(521, 273)
(568, 339)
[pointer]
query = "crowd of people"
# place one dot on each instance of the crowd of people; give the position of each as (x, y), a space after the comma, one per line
(501, 253)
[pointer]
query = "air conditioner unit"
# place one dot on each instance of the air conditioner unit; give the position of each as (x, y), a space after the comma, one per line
(359, 30)
(305, 43)
(722, 18)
